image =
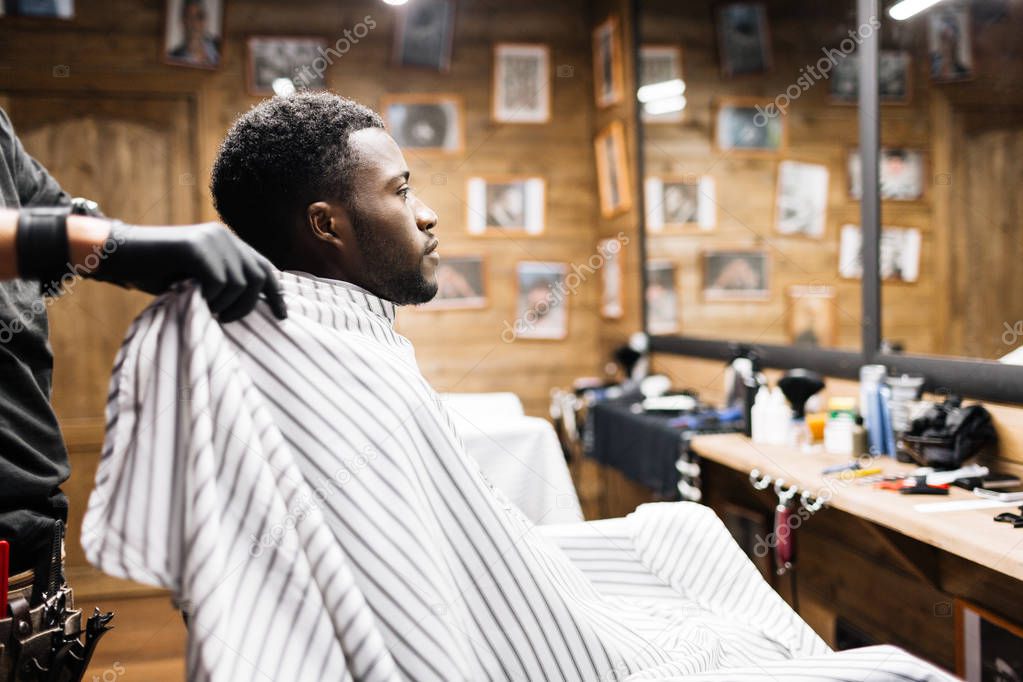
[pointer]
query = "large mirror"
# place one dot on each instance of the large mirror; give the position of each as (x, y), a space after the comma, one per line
(951, 169)
(748, 119)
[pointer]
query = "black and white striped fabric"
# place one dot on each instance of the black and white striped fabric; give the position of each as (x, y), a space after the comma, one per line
(300, 488)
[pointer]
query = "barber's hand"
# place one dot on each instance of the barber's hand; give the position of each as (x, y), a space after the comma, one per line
(231, 274)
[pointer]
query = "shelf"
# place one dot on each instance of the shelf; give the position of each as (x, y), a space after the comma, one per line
(971, 534)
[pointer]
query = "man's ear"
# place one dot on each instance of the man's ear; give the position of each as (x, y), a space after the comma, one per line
(326, 222)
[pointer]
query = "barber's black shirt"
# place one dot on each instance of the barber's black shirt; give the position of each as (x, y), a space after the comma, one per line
(33, 459)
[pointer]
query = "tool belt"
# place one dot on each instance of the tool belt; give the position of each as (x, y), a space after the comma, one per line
(41, 633)
(43, 644)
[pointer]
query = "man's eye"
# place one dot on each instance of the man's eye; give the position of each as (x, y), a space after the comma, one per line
(404, 191)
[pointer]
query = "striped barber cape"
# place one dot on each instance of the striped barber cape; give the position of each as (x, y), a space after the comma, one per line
(300, 488)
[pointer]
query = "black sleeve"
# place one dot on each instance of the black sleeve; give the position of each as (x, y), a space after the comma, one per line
(35, 186)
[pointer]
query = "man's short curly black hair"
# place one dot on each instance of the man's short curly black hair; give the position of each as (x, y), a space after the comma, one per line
(282, 155)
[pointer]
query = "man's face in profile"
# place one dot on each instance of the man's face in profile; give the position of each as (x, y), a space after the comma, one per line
(397, 259)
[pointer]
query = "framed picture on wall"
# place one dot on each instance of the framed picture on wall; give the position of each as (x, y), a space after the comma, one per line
(735, 275)
(542, 301)
(42, 9)
(895, 73)
(680, 202)
(899, 253)
(611, 296)
(461, 283)
(812, 319)
(282, 64)
(748, 127)
(522, 83)
(950, 43)
(613, 180)
(661, 297)
(801, 201)
(424, 33)
(902, 174)
(660, 64)
(506, 205)
(988, 647)
(193, 32)
(608, 81)
(744, 41)
(426, 123)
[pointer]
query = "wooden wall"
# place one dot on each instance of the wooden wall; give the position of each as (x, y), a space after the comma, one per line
(96, 104)
(625, 225)
(113, 48)
(977, 130)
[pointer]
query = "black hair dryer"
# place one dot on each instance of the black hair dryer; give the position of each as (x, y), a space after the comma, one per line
(799, 385)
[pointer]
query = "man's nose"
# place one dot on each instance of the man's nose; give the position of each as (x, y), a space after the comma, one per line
(426, 219)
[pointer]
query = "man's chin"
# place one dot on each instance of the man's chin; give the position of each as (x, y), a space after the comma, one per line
(422, 290)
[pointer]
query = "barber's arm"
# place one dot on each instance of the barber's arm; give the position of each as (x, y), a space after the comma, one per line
(47, 245)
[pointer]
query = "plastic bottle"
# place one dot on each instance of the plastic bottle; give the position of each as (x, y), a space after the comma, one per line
(759, 415)
(780, 420)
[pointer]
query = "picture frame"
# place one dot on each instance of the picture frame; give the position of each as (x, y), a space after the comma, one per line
(608, 78)
(950, 43)
(738, 130)
(614, 182)
(657, 64)
(541, 301)
(895, 79)
(811, 316)
(899, 258)
(461, 283)
(686, 202)
(801, 199)
(424, 33)
(739, 274)
(903, 174)
(57, 9)
(661, 297)
(521, 83)
(744, 38)
(988, 647)
(193, 33)
(426, 124)
(272, 57)
(506, 205)
(612, 305)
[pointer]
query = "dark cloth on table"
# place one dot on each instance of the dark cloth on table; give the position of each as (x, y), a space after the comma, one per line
(33, 459)
(642, 446)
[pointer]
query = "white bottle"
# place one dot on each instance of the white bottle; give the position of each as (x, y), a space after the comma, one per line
(759, 415)
(780, 419)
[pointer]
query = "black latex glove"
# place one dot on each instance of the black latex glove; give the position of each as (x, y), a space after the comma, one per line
(230, 273)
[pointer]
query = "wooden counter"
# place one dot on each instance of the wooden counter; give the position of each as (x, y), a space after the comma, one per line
(971, 534)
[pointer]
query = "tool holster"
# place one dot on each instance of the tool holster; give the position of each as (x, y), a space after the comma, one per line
(41, 635)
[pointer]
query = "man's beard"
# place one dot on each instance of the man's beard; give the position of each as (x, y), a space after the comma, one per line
(386, 276)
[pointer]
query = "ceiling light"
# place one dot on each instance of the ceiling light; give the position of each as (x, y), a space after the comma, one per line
(661, 90)
(665, 106)
(907, 8)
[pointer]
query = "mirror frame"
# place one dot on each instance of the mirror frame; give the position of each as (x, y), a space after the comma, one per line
(975, 378)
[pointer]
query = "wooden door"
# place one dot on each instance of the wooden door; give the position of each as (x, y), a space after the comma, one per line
(136, 158)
